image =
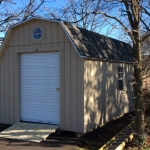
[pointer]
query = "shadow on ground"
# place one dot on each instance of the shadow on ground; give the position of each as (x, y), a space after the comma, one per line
(68, 140)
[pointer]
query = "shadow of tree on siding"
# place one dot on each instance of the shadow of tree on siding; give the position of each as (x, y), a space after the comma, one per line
(103, 101)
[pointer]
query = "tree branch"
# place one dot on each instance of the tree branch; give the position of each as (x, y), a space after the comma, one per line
(148, 13)
(26, 14)
(114, 18)
(27, 10)
(38, 7)
(129, 13)
(8, 1)
(145, 37)
(145, 24)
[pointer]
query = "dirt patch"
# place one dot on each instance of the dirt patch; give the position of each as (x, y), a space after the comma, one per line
(99, 136)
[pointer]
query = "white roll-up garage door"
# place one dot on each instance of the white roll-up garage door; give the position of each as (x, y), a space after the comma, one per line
(39, 83)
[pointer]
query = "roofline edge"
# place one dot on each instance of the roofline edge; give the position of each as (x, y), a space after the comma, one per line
(127, 62)
(61, 23)
(31, 19)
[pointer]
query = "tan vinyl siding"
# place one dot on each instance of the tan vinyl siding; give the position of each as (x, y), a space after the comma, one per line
(6, 87)
(2, 85)
(80, 91)
(102, 100)
(66, 91)
(73, 98)
(11, 85)
(71, 73)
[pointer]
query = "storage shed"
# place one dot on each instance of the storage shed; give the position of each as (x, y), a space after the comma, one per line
(53, 72)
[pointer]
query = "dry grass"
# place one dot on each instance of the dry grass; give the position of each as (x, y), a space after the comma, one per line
(135, 144)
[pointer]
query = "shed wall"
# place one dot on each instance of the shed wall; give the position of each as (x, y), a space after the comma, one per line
(102, 99)
(71, 73)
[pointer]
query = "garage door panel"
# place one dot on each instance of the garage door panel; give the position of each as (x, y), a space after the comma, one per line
(37, 104)
(39, 78)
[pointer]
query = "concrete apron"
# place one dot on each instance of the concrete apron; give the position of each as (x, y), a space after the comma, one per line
(29, 131)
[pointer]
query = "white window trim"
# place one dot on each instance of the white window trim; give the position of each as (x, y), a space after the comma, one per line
(120, 78)
(36, 34)
(36, 41)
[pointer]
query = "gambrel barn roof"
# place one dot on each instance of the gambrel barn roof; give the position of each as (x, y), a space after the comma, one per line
(91, 45)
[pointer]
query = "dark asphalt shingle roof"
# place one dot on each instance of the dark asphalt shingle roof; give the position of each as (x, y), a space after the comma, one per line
(94, 45)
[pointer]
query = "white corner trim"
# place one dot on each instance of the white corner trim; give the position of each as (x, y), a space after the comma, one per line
(7, 35)
(116, 61)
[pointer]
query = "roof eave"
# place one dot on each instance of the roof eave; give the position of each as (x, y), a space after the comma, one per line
(108, 60)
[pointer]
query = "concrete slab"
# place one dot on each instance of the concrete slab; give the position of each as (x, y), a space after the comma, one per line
(29, 131)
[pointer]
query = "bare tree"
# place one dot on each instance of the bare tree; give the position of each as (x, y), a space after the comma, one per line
(12, 11)
(133, 16)
(31, 8)
(74, 10)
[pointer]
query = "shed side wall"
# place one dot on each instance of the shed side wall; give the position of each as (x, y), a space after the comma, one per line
(71, 73)
(102, 99)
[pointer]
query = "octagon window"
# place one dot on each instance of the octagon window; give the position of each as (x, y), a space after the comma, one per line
(37, 33)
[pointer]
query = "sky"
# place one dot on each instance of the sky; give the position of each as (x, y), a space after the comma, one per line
(50, 4)
(59, 3)
(17, 5)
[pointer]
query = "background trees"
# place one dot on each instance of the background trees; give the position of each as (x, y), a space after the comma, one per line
(74, 11)
(13, 11)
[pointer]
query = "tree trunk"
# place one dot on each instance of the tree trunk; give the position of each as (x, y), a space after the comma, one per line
(139, 105)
